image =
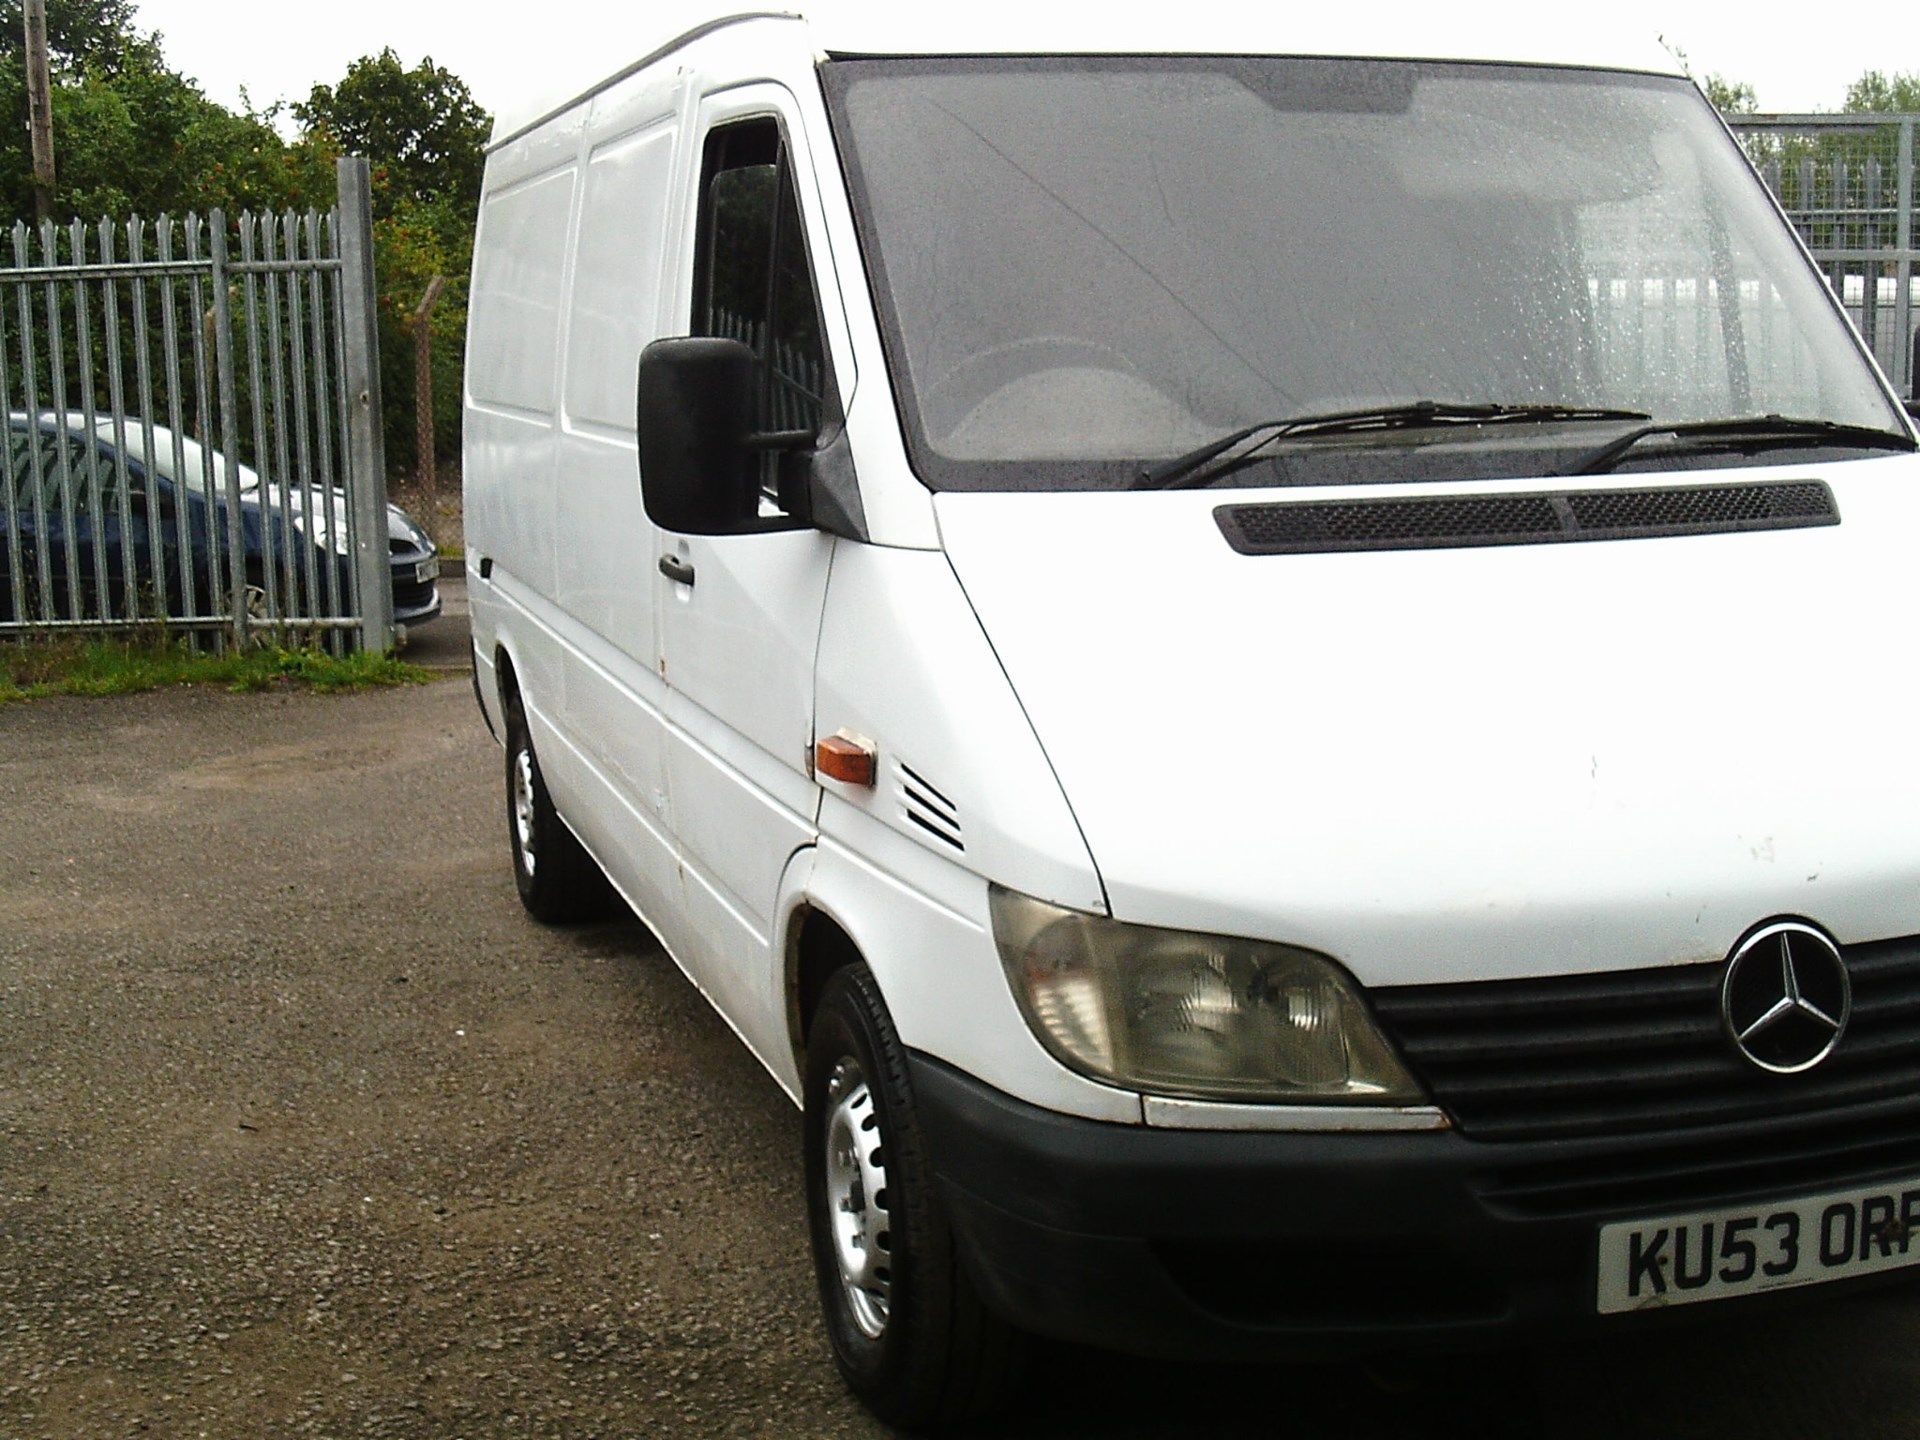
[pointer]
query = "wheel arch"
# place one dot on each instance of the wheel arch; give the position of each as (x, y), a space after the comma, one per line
(817, 939)
(930, 949)
(506, 672)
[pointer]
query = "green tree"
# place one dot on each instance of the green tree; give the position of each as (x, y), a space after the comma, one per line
(420, 126)
(133, 135)
(426, 139)
(1877, 92)
(93, 34)
(1730, 97)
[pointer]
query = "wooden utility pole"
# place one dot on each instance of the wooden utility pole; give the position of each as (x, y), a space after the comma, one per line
(40, 109)
(423, 394)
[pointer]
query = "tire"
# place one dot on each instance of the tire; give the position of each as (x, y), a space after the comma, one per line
(559, 883)
(908, 1332)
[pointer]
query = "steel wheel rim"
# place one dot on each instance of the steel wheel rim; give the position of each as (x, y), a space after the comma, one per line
(261, 625)
(523, 807)
(856, 1180)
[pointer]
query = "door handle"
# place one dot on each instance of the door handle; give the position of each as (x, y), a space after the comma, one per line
(676, 570)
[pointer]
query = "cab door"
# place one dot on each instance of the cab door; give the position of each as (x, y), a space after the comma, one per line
(740, 614)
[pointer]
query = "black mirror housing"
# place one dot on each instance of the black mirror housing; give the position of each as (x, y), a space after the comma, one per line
(698, 474)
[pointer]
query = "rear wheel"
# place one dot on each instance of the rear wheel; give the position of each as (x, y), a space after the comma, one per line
(908, 1332)
(559, 882)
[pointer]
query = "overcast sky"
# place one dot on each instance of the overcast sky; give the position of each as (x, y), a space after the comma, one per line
(278, 51)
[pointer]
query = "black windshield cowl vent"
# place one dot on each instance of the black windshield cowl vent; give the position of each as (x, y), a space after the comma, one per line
(927, 809)
(1439, 522)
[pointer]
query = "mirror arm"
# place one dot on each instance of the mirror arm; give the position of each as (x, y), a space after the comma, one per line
(775, 440)
(833, 490)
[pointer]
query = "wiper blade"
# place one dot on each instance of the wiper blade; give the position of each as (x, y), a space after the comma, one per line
(1198, 467)
(1767, 429)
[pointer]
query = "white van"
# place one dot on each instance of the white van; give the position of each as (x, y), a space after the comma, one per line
(1266, 665)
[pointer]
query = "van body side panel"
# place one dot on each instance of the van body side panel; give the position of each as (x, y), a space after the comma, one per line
(518, 284)
(510, 427)
(905, 663)
(603, 591)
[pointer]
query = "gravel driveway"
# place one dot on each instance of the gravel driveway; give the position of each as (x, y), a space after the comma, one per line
(306, 1130)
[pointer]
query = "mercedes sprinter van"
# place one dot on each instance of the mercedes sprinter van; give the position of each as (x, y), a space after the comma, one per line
(1265, 662)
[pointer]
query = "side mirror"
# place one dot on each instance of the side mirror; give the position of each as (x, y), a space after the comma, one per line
(1913, 407)
(699, 455)
(695, 411)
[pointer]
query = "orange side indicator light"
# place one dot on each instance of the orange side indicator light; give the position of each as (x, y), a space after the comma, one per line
(845, 758)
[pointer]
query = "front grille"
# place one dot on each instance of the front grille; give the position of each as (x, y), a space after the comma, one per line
(408, 595)
(1446, 521)
(1641, 1051)
(1676, 1171)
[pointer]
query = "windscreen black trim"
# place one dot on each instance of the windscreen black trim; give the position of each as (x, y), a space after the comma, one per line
(1440, 522)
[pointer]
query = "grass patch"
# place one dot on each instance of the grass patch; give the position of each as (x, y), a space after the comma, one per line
(35, 669)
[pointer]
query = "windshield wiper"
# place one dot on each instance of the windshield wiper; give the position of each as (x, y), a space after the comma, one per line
(1766, 429)
(1197, 467)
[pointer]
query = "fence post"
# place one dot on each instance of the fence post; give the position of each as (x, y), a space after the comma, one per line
(423, 399)
(39, 108)
(1903, 266)
(367, 460)
(221, 318)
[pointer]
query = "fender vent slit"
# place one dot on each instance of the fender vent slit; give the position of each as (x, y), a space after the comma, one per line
(924, 806)
(934, 830)
(915, 778)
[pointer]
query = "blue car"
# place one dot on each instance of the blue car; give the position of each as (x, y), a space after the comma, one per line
(294, 539)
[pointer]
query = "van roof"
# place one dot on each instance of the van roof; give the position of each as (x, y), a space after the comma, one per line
(1019, 27)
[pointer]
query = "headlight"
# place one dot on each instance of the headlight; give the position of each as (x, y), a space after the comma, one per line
(1194, 1015)
(328, 531)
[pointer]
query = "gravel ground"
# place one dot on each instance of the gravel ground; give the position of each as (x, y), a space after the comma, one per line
(306, 1130)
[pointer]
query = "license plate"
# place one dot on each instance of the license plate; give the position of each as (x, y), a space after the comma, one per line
(1715, 1253)
(426, 570)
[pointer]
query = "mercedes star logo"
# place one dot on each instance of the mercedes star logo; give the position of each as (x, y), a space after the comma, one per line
(1786, 998)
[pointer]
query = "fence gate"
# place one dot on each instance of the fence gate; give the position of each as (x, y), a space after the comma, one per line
(193, 432)
(1847, 183)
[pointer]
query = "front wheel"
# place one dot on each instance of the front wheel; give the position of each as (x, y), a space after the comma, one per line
(559, 882)
(908, 1332)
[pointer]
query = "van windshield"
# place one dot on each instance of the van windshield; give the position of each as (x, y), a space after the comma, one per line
(1089, 265)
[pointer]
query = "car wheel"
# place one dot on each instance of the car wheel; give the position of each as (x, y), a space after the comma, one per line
(559, 882)
(908, 1332)
(260, 622)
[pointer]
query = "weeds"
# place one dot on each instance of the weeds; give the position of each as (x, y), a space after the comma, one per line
(32, 670)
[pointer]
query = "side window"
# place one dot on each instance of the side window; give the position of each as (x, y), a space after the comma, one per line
(52, 492)
(752, 279)
(83, 463)
(20, 466)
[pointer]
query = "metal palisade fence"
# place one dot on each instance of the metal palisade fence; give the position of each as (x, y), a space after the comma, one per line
(193, 427)
(1847, 183)
(793, 379)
